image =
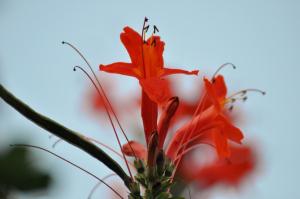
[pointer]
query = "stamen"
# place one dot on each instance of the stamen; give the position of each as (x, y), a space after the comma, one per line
(245, 91)
(145, 29)
(102, 90)
(107, 147)
(220, 68)
(71, 163)
(98, 184)
(109, 116)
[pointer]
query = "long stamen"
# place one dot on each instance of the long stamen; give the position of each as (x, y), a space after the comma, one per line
(145, 29)
(107, 147)
(245, 91)
(221, 67)
(109, 116)
(142, 43)
(102, 90)
(98, 184)
(185, 145)
(71, 163)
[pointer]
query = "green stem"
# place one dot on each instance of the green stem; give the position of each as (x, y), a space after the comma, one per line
(64, 133)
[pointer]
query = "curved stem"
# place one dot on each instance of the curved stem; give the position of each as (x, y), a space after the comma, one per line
(64, 133)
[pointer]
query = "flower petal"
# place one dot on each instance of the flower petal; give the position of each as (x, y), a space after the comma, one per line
(120, 68)
(157, 89)
(133, 43)
(219, 87)
(233, 133)
(170, 71)
(149, 111)
(221, 144)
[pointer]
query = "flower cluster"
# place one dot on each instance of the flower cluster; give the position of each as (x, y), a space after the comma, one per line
(163, 160)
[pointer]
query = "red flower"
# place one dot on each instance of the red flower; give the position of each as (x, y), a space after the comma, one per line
(209, 124)
(147, 63)
(147, 66)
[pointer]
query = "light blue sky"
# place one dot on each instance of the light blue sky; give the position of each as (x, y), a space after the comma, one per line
(260, 37)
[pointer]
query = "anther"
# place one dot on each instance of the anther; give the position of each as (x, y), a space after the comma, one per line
(146, 28)
(220, 68)
(155, 29)
(245, 91)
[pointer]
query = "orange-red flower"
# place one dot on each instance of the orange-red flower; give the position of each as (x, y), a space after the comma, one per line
(147, 65)
(209, 124)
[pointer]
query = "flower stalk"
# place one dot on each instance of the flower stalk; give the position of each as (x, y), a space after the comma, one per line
(64, 133)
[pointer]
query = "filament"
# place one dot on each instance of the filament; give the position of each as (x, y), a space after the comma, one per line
(109, 116)
(107, 147)
(245, 91)
(71, 163)
(98, 184)
(221, 67)
(103, 92)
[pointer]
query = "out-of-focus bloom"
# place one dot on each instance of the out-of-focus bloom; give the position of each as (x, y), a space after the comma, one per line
(228, 171)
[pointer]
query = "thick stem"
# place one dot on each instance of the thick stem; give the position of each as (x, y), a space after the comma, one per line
(64, 133)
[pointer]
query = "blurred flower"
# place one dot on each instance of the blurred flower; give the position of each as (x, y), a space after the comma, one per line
(230, 171)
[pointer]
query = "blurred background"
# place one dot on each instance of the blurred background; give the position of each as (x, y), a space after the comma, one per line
(260, 37)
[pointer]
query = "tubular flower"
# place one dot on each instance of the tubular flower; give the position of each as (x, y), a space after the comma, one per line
(147, 63)
(209, 124)
(147, 66)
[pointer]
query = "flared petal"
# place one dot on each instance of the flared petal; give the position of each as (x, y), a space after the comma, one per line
(171, 71)
(133, 43)
(121, 68)
(233, 133)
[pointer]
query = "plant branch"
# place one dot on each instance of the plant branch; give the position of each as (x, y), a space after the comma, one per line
(64, 133)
